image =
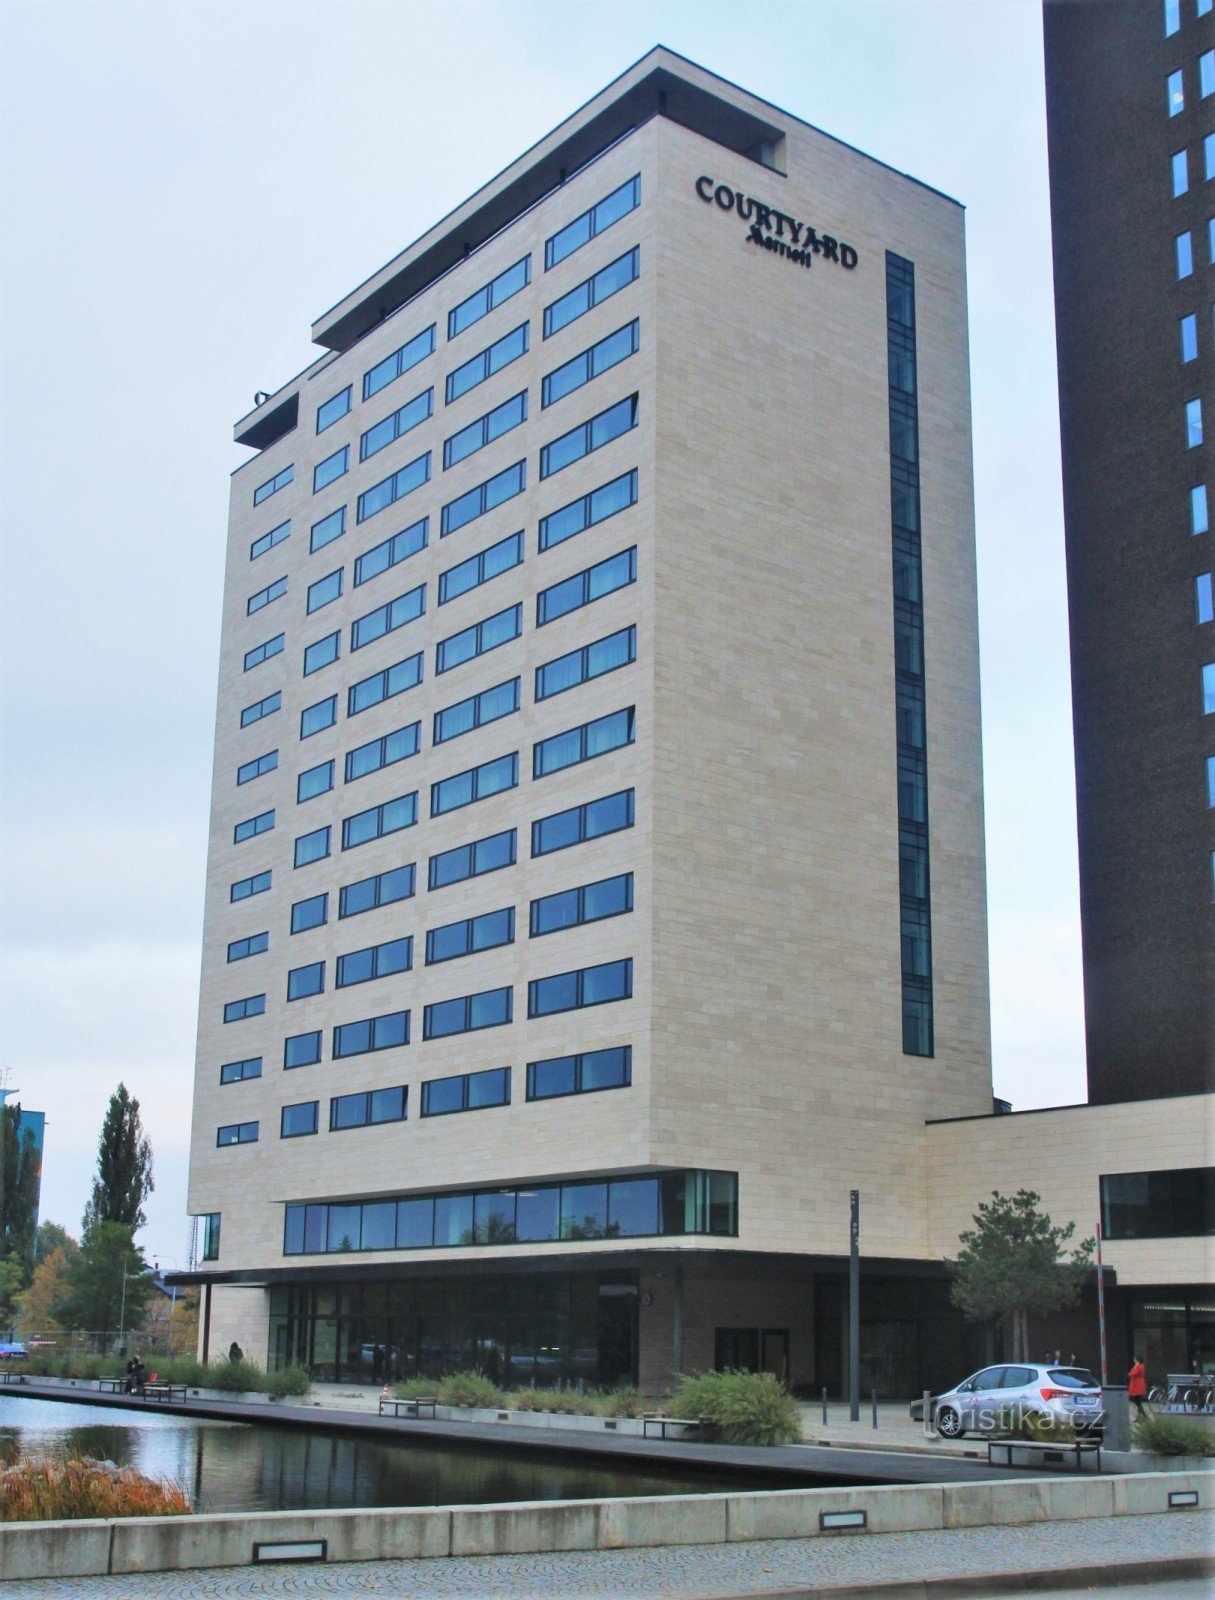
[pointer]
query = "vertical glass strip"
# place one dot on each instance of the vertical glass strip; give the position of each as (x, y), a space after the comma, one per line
(915, 911)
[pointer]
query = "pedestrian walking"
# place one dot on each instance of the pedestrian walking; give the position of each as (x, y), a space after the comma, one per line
(1136, 1384)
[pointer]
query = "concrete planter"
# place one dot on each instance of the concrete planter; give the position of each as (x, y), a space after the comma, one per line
(541, 1419)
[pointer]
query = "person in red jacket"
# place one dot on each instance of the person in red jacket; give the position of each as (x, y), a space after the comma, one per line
(1136, 1384)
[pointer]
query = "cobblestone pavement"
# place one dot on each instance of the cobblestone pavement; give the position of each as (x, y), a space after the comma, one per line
(702, 1571)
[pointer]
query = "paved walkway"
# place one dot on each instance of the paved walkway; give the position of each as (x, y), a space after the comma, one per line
(700, 1572)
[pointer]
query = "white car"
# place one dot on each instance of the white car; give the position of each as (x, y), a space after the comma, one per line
(993, 1400)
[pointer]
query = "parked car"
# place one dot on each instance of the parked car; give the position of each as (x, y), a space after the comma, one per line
(12, 1352)
(993, 1400)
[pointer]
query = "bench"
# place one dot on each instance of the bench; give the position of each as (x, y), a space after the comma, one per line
(111, 1385)
(692, 1427)
(164, 1393)
(1052, 1451)
(9, 1375)
(389, 1405)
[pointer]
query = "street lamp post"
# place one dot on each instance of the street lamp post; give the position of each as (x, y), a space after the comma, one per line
(172, 1297)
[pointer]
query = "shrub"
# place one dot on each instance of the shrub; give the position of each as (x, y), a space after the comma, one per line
(621, 1403)
(1040, 1428)
(1173, 1436)
(289, 1380)
(745, 1407)
(235, 1376)
(416, 1388)
(42, 1491)
(468, 1389)
(178, 1369)
(567, 1401)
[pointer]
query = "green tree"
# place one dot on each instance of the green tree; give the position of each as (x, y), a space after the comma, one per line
(1012, 1265)
(95, 1297)
(124, 1166)
(52, 1237)
(19, 1172)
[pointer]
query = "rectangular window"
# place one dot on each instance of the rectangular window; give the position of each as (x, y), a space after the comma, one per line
(253, 945)
(272, 485)
(384, 889)
(302, 1050)
(592, 902)
(580, 1074)
(1208, 689)
(398, 423)
(476, 435)
(333, 467)
(253, 1005)
(376, 961)
(1208, 156)
(238, 1071)
(257, 768)
(252, 826)
(333, 410)
(310, 913)
(327, 530)
(392, 552)
(1177, 1203)
(600, 358)
(478, 783)
(1189, 338)
(1202, 594)
(365, 1110)
(605, 577)
(400, 361)
(1193, 423)
(468, 1091)
(584, 743)
(381, 686)
(586, 986)
(386, 619)
(1185, 254)
(263, 652)
(396, 746)
(588, 437)
(593, 291)
(389, 490)
(1181, 172)
(593, 222)
(325, 590)
(310, 847)
(267, 541)
(492, 359)
(611, 814)
(597, 506)
(479, 639)
(591, 661)
(313, 782)
(491, 295)
(260, 709)
(1211, 780)
(479, 569)
(490, 1009)
(305, 981)
(322, 652)
(1202, 7)
(243, 888)
(466, 508)
(314, 719)
(476, 712)
(495, 851)
(1172, 16)
(1198, 508)
(379, 821)
(237, 1133)
(1175, 93)
(264, 597)
(470, 936)
(298, 1120)
(1206, 74)
(373, 1033)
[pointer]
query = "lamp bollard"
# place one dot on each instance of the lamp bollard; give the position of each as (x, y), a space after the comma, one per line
(874, 1408)
(824, 1406)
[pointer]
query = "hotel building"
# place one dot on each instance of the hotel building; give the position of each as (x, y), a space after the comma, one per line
(596, 882)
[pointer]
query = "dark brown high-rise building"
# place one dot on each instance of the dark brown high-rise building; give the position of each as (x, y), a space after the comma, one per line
(1130, 93)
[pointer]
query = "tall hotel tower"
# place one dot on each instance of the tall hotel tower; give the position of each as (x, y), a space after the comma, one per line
(1130, 95)
(596, 878)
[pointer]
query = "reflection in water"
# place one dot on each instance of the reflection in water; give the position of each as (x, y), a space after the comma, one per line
(237, 1466)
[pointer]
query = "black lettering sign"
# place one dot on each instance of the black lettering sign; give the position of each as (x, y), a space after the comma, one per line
(776, 231)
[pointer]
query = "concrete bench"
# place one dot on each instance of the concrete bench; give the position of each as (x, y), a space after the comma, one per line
(1045, 1452)
(390, 1406)
(164, 1393)
(684, 1427)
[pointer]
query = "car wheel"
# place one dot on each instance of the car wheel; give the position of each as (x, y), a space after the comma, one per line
(949, 1423)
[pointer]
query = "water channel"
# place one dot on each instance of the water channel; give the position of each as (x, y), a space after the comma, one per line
(240, 1466)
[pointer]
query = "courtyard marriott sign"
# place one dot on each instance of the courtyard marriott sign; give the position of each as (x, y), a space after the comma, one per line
(775, 230)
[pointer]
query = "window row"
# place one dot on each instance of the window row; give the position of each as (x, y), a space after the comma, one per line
(598, 219)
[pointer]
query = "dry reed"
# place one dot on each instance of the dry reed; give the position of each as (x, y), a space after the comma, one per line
(60, 1489)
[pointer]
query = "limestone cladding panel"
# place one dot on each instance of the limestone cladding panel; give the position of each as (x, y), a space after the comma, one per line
(248, 1184)
(725, 1296)
(776, 1002)
(240, 1312)
(1061, 1154)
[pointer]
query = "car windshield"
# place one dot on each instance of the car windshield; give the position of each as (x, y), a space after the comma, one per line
(1073, 1378)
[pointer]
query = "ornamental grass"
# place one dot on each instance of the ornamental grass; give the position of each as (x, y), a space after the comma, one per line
(55, 1490)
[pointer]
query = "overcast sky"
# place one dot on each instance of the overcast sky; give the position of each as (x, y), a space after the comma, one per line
(185, 187)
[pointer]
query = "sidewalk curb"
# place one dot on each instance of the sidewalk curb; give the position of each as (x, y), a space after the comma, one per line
(998, 1584)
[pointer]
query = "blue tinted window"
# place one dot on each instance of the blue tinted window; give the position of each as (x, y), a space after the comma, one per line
(253, 945)
(324, 590)
(298, 1120)
(264, 597)
(591, 661)
(600, 358)
(476, 435)
(305, 981)
(486, 362)
(310, 913)
(333, 467)
(492, 294)
(379, 821)
(477, 711)
(302, 1050)
(610, 814)
(263, 652)
(472, 934)
(361, 1111)
(391, 552)
(580, 1074)
(252, 826)
(322, 652)
(310, 847)
(384, 889)
(597, 506)
(593, 222)
(396, 746)
(479, 639)
(468, 1091)
(465, 508)
(315, 781)
(479, 569)
(258, 767)
(327, 530)
(332, 410)
(593, 291)
(489, 1009)
(237, 1133)
(588, 986)
(260, 709)
(243, 888)
(375, 1033)
(313, 719)
(588, 436)
(583, 588)
(478, 783)
(376, 961)
(384, 372)
(238, 1071)
(592, 902)
(385, 493)
(272, 485)
(490, 854)
(267, 541)
(393, 614)
(583, 744)
(380, 686)
(397, 423)
(252, 1005)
